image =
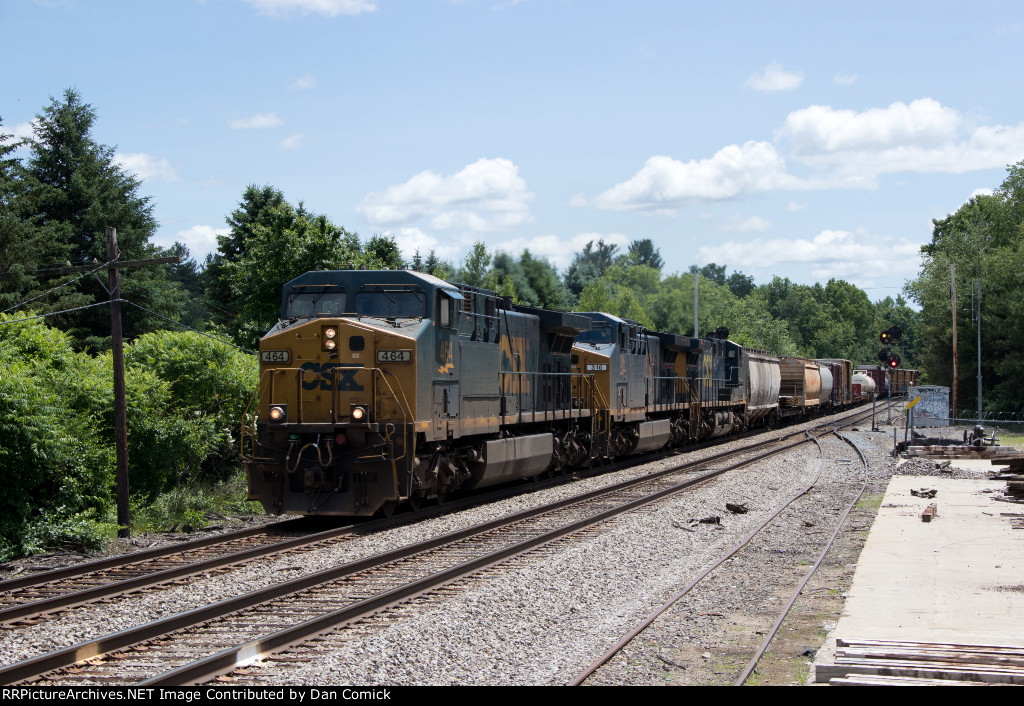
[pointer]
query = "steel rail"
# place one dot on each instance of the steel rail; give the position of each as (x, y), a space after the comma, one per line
(654, 615)
(752, 664)
(126, 638)
(215, 665)
(135, 557)
(30, 610)
(33, 609)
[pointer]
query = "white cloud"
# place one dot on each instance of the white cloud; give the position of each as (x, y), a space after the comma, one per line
(795, 206)
(924, 136)
(831, 253)
(845, 79)
(259, 121)
(303, 83)
(200, 240)
(486, 195)
(409, 240)
(146, 166)
(738, 224)
(559, 251)
(774, 79)
(19, 131)
(330, 8)
(980, 192)
(578, 201)
(665, 183)
(292, 142)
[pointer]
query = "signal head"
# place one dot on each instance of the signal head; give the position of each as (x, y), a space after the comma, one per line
(885, 337)
(895, 332)
(894, 361)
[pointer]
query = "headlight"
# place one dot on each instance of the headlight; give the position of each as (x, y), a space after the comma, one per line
(279, 413)
(358, 413)
(329, 332)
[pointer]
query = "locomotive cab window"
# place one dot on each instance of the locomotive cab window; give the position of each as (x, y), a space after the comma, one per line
(448, 308)
(310, 304)
(381, 303)
(600, 333)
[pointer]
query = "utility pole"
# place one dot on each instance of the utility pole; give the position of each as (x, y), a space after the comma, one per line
(117, 344)
(956, 361)
(979, 348)
(696, 279)
(120, 404)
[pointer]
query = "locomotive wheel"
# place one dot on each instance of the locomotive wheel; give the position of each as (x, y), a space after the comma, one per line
(441, 497)
(415, 501)
(388, 508)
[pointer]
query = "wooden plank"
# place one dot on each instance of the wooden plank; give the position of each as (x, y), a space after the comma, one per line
(917, 655)
(826, 672)
(1012, 649)
(879, 680)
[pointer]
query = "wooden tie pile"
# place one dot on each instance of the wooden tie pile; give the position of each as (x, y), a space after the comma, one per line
(1013, 475)
(889, 662)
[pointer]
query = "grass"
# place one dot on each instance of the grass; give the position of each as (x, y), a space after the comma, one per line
(190, 508)
(1008, 439)
(870, 501)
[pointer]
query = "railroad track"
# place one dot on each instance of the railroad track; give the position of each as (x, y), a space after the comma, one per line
(592, 673)
(270, 619)
(27, 600)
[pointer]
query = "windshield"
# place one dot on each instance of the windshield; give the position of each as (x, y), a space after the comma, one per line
(391, 305)
(600, 333)
(310, 304)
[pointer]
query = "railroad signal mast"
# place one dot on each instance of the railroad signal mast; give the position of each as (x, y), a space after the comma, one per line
(888, 358)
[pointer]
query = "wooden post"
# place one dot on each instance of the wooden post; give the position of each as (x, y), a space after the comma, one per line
(120, 404)
(956, 361)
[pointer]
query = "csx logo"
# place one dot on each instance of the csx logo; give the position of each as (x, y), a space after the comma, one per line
(347, 373)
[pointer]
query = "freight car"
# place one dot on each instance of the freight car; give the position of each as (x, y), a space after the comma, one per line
(382, 387)
(842, 379)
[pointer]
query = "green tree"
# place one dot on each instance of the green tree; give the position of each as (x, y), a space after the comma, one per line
(275, 254)
(258, 208)
(589, 264)
(76, 190)
(379, 252)
(544, 281)
(475, 266)
(983, 240)
(643, 252)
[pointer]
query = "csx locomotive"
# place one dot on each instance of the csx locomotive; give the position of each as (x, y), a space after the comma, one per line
(381, 387)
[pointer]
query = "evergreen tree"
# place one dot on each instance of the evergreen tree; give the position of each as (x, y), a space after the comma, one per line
(75, 190)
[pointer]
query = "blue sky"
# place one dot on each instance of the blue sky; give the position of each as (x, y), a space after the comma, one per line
(802, 139)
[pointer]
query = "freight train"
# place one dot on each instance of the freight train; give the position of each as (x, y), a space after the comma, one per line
(392, 386)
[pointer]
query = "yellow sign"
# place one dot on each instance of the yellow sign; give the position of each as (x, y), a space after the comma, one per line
(915, 401)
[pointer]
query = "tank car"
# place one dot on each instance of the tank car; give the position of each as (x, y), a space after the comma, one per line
(864, 388)
(842, 374)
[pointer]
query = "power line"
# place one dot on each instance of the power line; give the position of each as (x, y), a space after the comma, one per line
(186, 326)
(54, 289)
(137, 306)
(55, 313)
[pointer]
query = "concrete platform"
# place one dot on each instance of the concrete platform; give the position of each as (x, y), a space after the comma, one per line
(957, 579)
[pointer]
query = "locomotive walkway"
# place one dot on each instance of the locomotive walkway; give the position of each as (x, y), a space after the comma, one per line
(934, 600)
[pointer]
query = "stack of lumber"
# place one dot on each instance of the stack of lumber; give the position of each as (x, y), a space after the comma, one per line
(1013, 474)
(889, 662)
(965, 452)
